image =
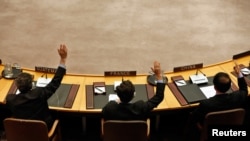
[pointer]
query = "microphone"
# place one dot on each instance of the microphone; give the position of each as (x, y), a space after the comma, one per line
(42, 82)
(198, 78)
(198, 70)
(45, 75)
(46, 72)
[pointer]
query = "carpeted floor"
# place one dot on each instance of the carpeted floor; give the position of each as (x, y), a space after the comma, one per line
(123, 35)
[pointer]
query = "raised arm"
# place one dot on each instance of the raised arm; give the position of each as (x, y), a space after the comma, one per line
(160, 87)
(63, 52)
(61, 71)
(241, 80)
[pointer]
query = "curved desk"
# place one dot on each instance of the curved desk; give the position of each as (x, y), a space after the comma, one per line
(5, 85)
(169, 103)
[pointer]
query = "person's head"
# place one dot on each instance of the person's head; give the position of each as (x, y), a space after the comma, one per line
(24, 82)
(222, 82)
(125, 91)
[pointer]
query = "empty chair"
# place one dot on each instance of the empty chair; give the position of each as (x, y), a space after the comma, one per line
(225, 117)
(30, 130)
(125, 130)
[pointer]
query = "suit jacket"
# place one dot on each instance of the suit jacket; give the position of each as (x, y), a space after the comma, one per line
(225, 101)
(133, 111)
(33, 104)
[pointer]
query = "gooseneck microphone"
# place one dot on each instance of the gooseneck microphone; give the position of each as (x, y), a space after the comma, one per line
(198, 78)
(45, 74)
(198, 70)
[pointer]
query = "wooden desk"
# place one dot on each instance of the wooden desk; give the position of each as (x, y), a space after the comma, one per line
(169, 102)
(5, 85)
(139, 79)
(172, 102)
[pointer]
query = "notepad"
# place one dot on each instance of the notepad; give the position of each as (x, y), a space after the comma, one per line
(99, 87)
(180, 82)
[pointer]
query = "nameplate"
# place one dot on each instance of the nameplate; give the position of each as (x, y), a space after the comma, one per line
(243, 54)
(188, 67)
(120, 73)
(45, 69)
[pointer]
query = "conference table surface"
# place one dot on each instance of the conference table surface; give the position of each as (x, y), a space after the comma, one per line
(169, 102)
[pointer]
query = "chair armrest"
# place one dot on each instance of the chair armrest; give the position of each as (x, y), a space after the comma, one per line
(102, 123)
(148, 122)
(53, 129)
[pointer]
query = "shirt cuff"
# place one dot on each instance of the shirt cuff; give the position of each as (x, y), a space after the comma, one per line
(160, 81)
(240, 75)
(62, 66)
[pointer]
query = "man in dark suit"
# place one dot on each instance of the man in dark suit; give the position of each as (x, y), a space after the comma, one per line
(32, 103)
(222, 100)
(122, 109)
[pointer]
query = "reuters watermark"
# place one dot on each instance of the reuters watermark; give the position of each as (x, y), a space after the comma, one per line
(234, 132)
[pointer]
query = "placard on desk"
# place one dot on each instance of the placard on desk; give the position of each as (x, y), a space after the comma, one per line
(188, 67)
(120, 73)
(45, 69)
(240, 55)
(63, 97)
(143, 92)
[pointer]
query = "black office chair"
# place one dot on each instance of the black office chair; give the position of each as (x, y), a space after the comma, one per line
(225, 117)
(125, 130)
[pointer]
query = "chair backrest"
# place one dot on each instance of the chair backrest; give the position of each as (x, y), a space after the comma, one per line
(25, 130)
(226, 117)
(120, 130)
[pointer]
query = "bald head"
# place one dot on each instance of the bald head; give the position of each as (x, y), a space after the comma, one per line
(222, 82)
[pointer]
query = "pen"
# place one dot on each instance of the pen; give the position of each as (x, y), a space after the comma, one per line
(180, 82)
(99, 89)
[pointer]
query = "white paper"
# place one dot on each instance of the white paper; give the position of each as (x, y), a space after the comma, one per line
(245, 71)
(117, 83)
(113, 97)
(17, 92)
(42, 82)
(208, 91)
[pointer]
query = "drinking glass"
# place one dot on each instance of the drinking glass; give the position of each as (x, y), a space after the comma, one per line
(8, 70)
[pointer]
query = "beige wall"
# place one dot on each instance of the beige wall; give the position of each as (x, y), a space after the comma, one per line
(123, 34)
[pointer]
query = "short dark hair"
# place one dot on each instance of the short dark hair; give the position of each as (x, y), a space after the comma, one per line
(125, 91)
(24, 82)
(222, 82)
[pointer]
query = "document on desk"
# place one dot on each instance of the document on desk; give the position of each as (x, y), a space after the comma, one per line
(208, 91)
(113, 97)
(117, 83)
(42, 82)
